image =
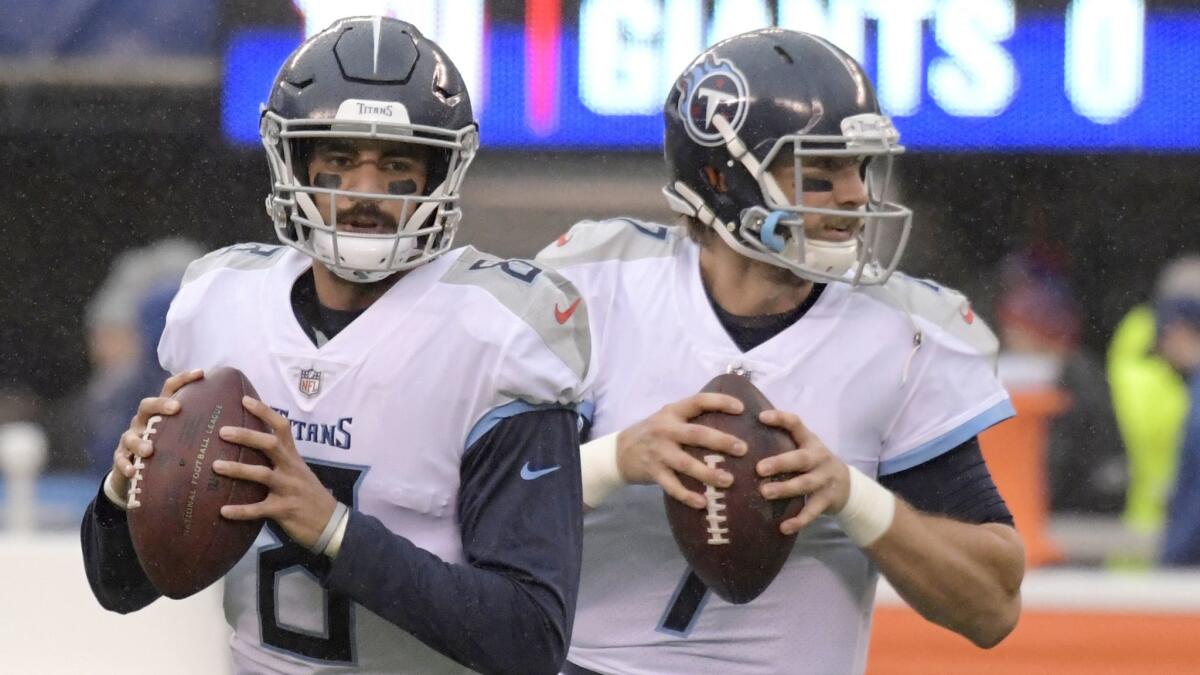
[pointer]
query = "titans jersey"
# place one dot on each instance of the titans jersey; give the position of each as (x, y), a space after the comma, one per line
(887, 377)
(382, 412)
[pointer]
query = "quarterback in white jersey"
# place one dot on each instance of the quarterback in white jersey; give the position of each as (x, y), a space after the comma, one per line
(425, 510)
(782, 273)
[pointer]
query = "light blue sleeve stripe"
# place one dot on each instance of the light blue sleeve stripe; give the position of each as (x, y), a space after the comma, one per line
(510, 409)
(587, 411)
(949, 440)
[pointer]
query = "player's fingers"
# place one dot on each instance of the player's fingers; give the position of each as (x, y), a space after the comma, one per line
(789, 422)
(257, 473)
(694, 405)
(260, 440)
(255, 511)
(154, 405)
(682, 462)
(123, 465)
(175, 382)
(132, 443)
(700, 436)
(814, 505)
(800, 460)
(277, 423)
(796, 486)
(671, 485)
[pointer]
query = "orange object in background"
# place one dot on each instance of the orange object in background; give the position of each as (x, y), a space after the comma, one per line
(1073, 622)
(1015, 451)
(1053, 642)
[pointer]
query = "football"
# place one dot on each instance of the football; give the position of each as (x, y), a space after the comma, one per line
(734, 544)
(175, 499)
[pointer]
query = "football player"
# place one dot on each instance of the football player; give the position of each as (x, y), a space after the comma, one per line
(425, 512)
(783, 270)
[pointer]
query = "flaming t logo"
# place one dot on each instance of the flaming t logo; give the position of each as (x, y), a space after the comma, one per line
(712, 87)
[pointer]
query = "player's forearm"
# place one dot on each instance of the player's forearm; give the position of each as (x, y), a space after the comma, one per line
(491, 620)
(113, 572)
(962, 576)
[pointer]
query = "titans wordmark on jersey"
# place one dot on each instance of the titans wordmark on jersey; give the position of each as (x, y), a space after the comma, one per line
(888, 378)
(382, 413)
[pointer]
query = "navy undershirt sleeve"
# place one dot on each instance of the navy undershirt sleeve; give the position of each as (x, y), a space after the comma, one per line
(509, 609)
(112, 567)
(956, 484)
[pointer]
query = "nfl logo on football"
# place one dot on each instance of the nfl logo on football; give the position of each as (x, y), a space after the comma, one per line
(310, 382)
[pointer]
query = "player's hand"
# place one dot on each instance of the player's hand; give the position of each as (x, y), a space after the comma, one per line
(823, 479)
(296, 499)
(651, 451)
(132, 445)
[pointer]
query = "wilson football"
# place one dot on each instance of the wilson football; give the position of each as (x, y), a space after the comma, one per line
(175, 499)
(734, 544)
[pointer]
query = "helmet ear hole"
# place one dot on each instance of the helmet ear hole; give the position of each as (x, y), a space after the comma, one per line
(716, 179)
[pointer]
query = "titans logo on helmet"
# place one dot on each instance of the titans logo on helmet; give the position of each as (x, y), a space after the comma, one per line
(713, 87)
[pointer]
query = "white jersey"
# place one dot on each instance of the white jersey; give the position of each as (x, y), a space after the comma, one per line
(383, 412)
(888, 378)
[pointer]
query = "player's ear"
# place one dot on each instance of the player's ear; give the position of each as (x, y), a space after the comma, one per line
(715, 178)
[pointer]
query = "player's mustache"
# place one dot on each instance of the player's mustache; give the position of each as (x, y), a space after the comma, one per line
(368, 211)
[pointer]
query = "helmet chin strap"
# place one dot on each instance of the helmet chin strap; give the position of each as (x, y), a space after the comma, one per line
(828, 257)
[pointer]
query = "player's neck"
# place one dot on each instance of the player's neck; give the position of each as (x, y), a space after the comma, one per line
(746, 287)
(334, 292)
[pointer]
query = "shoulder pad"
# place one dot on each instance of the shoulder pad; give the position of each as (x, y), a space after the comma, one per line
(616, 239)
(237, 256)
(939, 305)
(542, 298)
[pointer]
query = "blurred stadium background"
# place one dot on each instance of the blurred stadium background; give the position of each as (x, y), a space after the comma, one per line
(1052, 154)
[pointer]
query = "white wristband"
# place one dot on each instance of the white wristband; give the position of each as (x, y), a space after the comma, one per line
(339, 512)
(335, 542)
(116, 498)
(868, 512)
(598, 468)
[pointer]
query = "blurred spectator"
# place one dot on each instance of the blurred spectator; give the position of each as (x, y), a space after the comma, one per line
(1039, 325)
(1150, 401)
(123, 321)
(1177, 318)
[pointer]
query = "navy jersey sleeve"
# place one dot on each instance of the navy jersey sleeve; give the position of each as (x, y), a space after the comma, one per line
(510, 608)
(112, 567)
(956, 484)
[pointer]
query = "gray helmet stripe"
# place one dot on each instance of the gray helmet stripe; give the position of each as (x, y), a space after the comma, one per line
(375, 26)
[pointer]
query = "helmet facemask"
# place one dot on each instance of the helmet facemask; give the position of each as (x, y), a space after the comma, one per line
(428, 221)
(772, 228)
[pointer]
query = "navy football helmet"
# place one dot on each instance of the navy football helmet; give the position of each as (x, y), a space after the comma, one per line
(767, 94)
(368, 78)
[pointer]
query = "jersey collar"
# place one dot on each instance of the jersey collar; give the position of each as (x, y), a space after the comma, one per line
(716, 349)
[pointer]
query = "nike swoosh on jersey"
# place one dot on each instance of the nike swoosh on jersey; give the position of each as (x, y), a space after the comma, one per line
(563, 315)
(530, 474)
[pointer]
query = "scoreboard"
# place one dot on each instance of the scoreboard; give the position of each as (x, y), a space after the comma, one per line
(956, 75)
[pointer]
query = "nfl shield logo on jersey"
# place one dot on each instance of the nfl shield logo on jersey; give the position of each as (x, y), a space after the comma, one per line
(310, 381)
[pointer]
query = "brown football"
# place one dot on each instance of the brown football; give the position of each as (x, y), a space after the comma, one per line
(734, 544)
(182, 541)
